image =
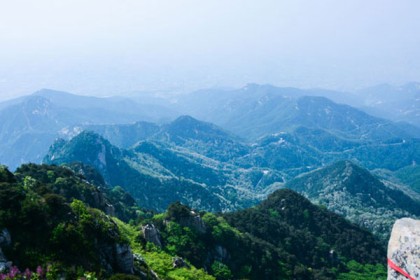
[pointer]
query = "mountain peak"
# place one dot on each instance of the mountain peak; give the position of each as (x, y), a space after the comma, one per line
(348, 189)
(187, 119)
(189, 127)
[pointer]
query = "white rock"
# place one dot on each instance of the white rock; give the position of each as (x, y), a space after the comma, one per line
(404, 248)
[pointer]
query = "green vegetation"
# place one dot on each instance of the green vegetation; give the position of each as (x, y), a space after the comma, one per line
(299, 241)
(352, 191)
(410, 175)
(50, 214)
(48, 223)
(359, 271)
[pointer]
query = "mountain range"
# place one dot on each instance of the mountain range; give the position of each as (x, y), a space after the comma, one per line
(257, 110)
(353, 192)
(158, 173)
(31, 124)
(397, 103)
(274, 163)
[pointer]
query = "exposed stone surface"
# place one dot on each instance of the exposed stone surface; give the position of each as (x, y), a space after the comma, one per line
(404, 248)
(221, 254)
(142, 269)
(193, 221)
(109, 209)
(151, 234)
(5, 240)
(124, 258)
(178, 262)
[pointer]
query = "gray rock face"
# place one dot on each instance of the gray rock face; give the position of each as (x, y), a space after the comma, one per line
(404, 249)
(151, 234)
(178, 262)
(221, 254)
(5, 240)
(193, 221)
(124, 258)
(142, 269)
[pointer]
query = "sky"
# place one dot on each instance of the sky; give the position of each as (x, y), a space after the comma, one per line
(112, 47)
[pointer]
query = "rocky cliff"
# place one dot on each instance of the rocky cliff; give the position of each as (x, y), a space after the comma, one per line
(404, 250)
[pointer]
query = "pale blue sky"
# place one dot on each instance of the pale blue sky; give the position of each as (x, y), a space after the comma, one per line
(107, 47)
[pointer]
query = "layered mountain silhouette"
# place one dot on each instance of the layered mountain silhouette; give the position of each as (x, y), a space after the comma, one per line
(157, 174)
(30, 124)
(398, 103)
(257, 110)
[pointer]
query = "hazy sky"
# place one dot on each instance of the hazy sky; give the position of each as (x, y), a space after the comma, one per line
(113, 46)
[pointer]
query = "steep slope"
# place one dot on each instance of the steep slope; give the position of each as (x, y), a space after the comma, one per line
(48, 223)
(30, 124)
(289, 221)
(53, 225)
(353, 192)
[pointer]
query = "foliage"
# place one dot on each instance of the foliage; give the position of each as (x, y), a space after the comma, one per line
(221, 271)
(48, 224)
(367, 271)
(48, 211)
(284, 237)
(352, 191)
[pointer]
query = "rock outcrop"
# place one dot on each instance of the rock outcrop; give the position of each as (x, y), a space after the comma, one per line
(221, 253)
(178, 262)
(124, 258)
(404, 249)
(151, 234)
(5, 240)
(142, 269)
(194, 221)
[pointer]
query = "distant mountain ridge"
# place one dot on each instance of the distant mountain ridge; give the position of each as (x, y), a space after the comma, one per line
(30, 124)
(257, 110)
(157, 174)
(398, 103)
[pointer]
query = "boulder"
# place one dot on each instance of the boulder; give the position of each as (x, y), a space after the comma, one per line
(404, 250)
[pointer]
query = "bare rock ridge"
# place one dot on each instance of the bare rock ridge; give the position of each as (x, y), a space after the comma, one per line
(404, 249)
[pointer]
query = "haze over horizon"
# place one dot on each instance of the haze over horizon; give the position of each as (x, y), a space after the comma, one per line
(113, 47)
